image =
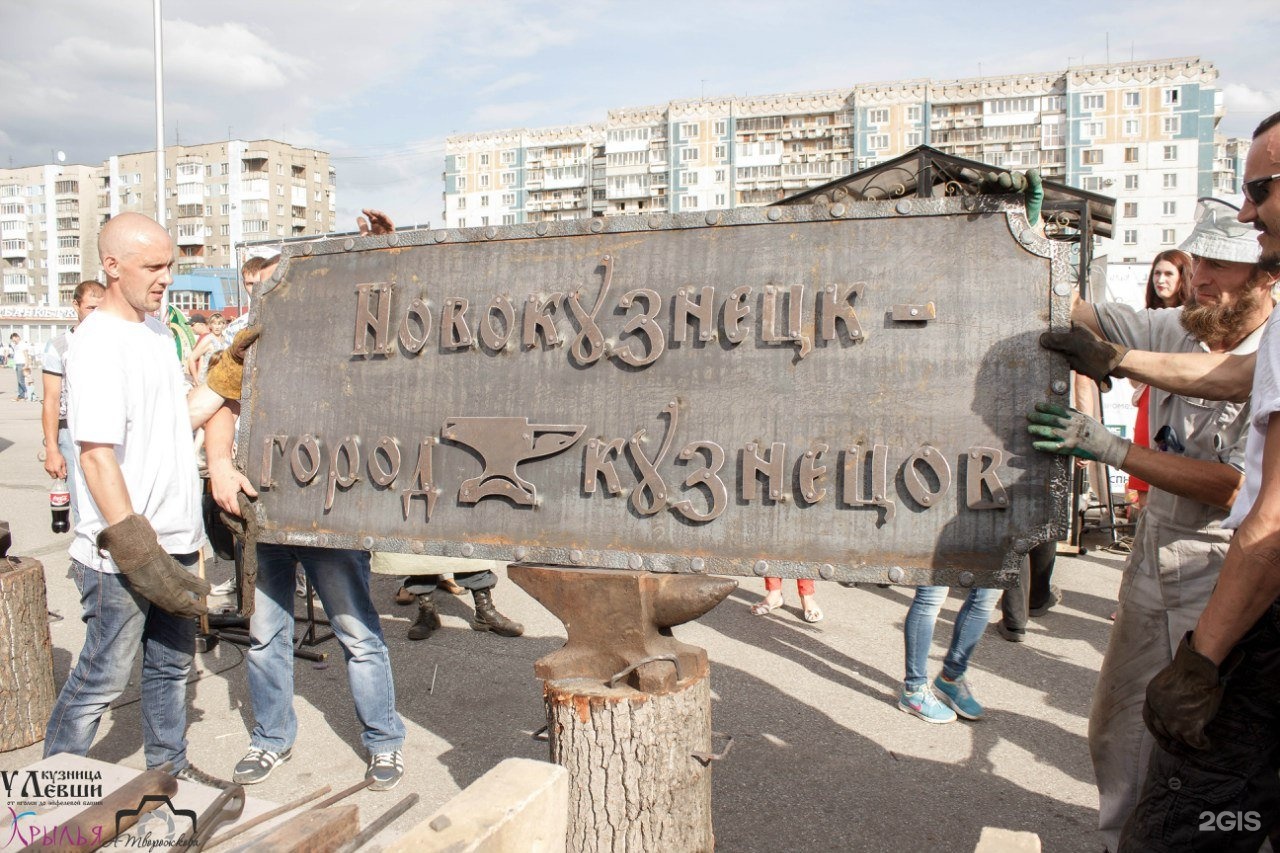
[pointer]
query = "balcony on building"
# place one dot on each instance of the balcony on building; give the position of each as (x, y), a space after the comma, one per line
(67, 186)
(255, 188)
(14, 250)
(190, 236)
(68, 223)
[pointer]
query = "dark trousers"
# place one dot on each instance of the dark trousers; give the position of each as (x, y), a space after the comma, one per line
(1033, 589)
(1227, 797)
(473, 581)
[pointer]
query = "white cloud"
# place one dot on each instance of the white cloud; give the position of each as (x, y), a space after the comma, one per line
(511, 81)
(228, 55)
(1241, 98)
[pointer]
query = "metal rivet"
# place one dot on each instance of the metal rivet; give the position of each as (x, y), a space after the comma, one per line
(915, 312)
(468, 549)
(774, 214)
(826, 571)
(417, 547)
(654, 222)
(635, 562)
(597, 225)
(697, 564)
(575, 555)
(966, 579)
(440, 236)
(1175, 783)
(541, 229)
(308, 249)
(393, 239)
(837, 210)
(712, 218)
(1002, 500)
(1062, 289)
(896, 574)
(761, 568)
(348, 244)
(367, 543)
(490, 232)
(903, 206)
(1059, 386)
(522, 552)
(323, 540)
(924, 499)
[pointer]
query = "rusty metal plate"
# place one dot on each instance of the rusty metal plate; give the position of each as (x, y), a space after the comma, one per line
(742, 393)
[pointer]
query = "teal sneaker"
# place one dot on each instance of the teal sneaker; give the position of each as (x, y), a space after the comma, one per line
(958, 696)
(923, 704)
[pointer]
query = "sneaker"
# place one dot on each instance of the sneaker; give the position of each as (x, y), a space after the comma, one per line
(1013, 635)
(224, 588)
(191, 773)
(258, 764)
(1055, 597)
(386, 770)
(923, 704)
(958, 696)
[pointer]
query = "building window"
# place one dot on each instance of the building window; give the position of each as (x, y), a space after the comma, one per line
(484, 181)
(462, 204)
(913, 113)
(878, 141)
(484, 160)
(1091, 157)
(1169, 208)
(508, 179)
(1168, 236)
(1132, 100)
(1095, 102)
(1131, 182)
(913, 139)
(797, 123)
(721, 176)
(484, 201)
(690, 178)
(1171, 124)
(722, 127)
(1171, 180)
(1093, 129)
(877, 116)
(721, 152)
(1171, 97)
(688, 154)
(689, 202)
(508, 219)
(1171, 152)
(721, 200)
(1053, 103)
(1131, 127)
(508, 199)
(1131, 154)
(461, 161)
(509, 157)
(1130, 210)
(689, 131)
(1131, 236)
(1092, 183)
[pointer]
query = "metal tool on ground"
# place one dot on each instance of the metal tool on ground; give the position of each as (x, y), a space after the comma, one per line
(226, 808)
(343, 794)
(380, 823)
(242, 828)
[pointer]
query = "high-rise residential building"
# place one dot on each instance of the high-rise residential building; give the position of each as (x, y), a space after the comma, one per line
(1142, 132)
(217, 196)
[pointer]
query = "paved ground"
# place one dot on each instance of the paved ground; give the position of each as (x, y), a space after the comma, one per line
(822, 759)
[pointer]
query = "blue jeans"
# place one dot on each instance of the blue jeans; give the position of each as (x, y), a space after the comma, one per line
(470, 581)
(971, 622)
(341, 580)
(22, 381)
(116, 618)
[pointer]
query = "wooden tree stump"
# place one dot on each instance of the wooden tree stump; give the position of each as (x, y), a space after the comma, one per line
(26, 654)
(634, 784)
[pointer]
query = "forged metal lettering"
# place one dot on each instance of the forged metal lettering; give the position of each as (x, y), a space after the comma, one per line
(931, 459)
(367, 320)
(389, 449)
(854, 493)
(643, 324)
(539, 322)
(588, 345)
(419, 312)
(423, 484)
(490, 336)
(685, 309)
(269, 445)
(708, 477)
(736, 309)
(651, 482)
(770, 466)
(980, 471)
(598, 462)
(305, 472)
(350, 449)
(835, 307)
(811, 473)
(454, 331)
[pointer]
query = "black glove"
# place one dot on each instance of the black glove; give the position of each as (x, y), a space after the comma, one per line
(1087, 353)
(227, 373)
(1184, 697)
(156, 576)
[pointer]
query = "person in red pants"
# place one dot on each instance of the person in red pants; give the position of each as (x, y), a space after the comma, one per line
(773, 599)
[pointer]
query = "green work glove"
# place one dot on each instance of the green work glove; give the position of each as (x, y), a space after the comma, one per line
(1028, 183)
(226, 375)
(1069, 433)
(152, 573)
(1184, 697)
(1087, 353)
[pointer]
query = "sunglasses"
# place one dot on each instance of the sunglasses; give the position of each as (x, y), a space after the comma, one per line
(1258, 189)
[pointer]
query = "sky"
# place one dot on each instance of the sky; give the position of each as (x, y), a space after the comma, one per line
(381, 84)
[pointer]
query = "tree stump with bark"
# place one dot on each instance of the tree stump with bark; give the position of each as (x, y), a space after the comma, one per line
(634, 783)
(26, 654)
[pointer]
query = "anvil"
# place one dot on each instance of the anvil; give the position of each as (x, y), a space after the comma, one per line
(503, 443)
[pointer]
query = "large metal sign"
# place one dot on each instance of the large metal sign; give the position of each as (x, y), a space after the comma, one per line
(831, 391)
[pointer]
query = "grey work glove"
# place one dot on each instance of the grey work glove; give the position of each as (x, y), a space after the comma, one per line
(1184, 698)
(1066, 432)
(1087, 353)
(226, 375)
(1028, 183)
(156, 576)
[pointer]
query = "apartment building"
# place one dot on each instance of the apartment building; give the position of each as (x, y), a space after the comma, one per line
(1143, 132)
(217, 196)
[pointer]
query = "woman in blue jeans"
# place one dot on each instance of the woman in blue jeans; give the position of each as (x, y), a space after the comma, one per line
(916, 697)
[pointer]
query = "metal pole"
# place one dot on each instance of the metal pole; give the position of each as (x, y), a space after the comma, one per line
(160, 182)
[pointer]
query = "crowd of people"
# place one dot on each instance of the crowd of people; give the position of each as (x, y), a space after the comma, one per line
(1186, 712)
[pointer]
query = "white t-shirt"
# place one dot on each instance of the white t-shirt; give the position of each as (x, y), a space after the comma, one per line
(20, 352)
(125, 388)
(1266, 402)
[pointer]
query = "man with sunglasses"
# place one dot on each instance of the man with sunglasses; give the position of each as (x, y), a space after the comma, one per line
(1215, 710)
(1195, 472)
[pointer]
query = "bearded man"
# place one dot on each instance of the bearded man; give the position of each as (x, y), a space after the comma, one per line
(1194, 466)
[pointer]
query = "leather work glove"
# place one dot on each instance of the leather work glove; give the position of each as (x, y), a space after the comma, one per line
(156, 576)
(1066, 432)
(1087, 353)
(226, 375)
(1184, 697)
(1028, 183)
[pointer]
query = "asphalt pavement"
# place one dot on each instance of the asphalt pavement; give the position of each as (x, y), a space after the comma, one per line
(822, 758)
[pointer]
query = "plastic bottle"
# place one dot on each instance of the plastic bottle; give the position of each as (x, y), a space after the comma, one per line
(60, 506)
